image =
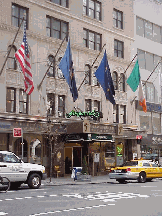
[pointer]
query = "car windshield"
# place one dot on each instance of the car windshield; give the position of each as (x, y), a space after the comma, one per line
(9, 158)
(130, 163)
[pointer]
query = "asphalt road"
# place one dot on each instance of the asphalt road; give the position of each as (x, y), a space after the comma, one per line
(113, 199)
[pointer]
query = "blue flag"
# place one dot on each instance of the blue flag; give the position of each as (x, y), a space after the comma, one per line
(103, 75)
(66, 66)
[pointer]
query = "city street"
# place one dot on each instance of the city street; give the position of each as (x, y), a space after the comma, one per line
(85, 199)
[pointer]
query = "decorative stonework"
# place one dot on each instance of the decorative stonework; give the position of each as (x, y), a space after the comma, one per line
(121, 97)
(96, 92)
(88, 91)
(12, 77)
(61, 86)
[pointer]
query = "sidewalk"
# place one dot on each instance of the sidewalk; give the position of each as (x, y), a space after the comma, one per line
(70, 181)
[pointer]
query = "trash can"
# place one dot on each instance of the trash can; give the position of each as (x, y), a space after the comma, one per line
(76, 170)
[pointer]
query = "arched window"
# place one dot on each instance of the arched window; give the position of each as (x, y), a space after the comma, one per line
(59, 72)
(51, 72)
(95, 80)
(11, 62)
(87, 74)
(122, 82)
(115, 80)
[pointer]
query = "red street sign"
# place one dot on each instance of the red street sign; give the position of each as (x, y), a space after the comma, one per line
(138, 137)
(17, 132)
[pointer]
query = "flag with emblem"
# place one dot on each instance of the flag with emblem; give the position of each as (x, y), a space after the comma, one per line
(22, 55)
(66, 66)
(103, 75)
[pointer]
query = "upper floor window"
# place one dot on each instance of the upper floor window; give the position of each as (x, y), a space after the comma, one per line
(56, 28)
(91, 39)
(149, 91)
(23, 102)
(61, 106)
(11, 100)
(63, 3)
(92, 8)
(18, 12)
(147, 60)
(51, 72)
(88, 74)
(51, 104)
(11, 62)
(118, 48)
(97, 105)
(118, 19)
(88, 106)
(148, 30)
(115, 80)
(122, 82)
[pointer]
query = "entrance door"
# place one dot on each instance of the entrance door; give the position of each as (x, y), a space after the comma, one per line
(68, 160)
(77, 152)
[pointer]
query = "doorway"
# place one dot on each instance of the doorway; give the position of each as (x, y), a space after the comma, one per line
(18, 149)
(77, 152)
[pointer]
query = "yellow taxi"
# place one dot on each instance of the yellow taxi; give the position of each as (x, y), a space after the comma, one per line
(140, 170)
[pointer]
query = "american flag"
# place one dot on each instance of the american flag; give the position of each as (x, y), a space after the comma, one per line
(22, 55)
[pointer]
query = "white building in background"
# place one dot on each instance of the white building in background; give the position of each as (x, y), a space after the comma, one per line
(148, 45)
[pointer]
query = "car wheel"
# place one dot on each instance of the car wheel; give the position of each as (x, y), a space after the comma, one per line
(15, 185)
(121, 181)
(34, 181)
(142, 177)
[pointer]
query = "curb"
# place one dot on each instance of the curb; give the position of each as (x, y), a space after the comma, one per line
(76, 183)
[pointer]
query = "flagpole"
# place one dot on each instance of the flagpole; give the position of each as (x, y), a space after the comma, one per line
(148, 78)
(39, 86)
(91, 67)
(11, 47)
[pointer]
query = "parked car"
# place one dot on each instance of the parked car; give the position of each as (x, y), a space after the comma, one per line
(140, 170)
(18, 172)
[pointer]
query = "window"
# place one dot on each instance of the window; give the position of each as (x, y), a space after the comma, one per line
(56, 28)
(150, 92)
(148, 30)
(51, 104)
(51, 72)
(118, 49)
(63, 3)
(23, 102)
(118, 19)
(97, 105)
(123, 114)
(88, 105)
(88, 75)
(11, 100)
(122, 82)
(91, 40)
(61, 106)
(92, 9)
(115, 80)
(11, 62)
(18, 13)
(115, 114)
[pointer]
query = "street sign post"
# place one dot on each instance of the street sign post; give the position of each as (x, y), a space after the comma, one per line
(18, 132)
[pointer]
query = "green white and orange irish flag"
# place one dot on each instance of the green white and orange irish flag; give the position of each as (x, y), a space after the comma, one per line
(142, 100)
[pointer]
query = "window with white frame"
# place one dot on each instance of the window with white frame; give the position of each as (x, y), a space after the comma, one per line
(118, 48)
(148, 30)
(51, 104)
(11, 100)
(122, 82)
(92, 8)
(61, 106)
(97, 105)
(23, 102)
